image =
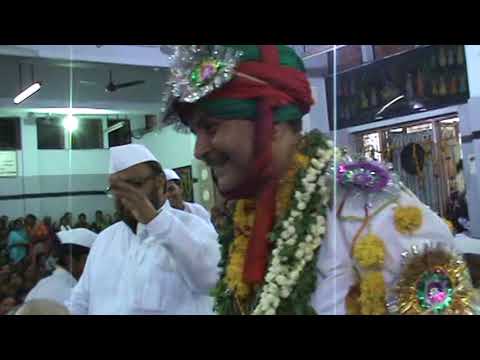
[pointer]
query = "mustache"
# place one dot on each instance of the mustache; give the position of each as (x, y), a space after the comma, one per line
(215, 158)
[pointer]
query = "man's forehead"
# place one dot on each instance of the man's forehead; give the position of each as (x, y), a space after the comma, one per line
(197, 119)
(133, 171)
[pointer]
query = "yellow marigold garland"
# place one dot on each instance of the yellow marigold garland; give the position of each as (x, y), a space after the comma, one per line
(369, 251)
(372, 294)
(408, 219)
(244, 219)
(287, 184)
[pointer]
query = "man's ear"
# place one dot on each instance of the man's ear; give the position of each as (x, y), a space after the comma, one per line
(162, 183)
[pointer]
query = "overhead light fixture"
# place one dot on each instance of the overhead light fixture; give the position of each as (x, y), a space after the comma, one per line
(70, 123)
(29, 91)
(25, 94)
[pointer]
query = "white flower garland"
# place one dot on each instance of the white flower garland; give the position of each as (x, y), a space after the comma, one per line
(281, 276)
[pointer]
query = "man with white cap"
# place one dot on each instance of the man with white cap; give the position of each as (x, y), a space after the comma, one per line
(156, 260)
(72, 252)
(175, 197)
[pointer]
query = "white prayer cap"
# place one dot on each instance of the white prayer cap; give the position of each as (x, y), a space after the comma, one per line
(171, 175)
(125, 156)
(82, 237)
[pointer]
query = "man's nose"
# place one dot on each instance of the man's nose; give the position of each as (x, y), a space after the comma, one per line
(203, 146)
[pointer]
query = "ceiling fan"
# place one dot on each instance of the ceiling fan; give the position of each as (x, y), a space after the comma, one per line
(111, 86)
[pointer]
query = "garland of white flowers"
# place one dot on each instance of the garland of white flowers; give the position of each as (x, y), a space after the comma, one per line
(281, 275)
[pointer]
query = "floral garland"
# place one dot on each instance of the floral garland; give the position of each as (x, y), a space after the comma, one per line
(369, 252)
(408, 219)
(291, 275)
(244, 218)
(293, 251)
(368, 178)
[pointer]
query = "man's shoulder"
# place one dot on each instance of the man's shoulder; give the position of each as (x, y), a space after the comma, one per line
(112, 228)
(355, 204)
(42, 284)
(186, 217)
(196, 206)
(109, 233)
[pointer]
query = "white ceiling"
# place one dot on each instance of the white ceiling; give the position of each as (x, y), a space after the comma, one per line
(80, 84)
(143, 55)
(77, 74)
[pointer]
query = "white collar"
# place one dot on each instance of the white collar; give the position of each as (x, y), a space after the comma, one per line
(59, 270)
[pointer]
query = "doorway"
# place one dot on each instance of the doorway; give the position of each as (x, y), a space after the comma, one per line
(426, 154)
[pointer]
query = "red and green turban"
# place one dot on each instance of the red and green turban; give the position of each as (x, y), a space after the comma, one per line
(269, 86)
(286, 86)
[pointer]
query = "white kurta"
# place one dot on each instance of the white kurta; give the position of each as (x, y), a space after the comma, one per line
(57, 287)
(168, 268)
(337, 271)
(198, 210)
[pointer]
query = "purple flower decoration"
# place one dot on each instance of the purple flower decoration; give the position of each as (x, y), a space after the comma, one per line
(367, 175)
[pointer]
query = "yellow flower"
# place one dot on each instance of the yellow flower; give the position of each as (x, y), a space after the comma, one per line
(369, 251)
(234, 274)
(244, 217)
(372, 294)
(287, 184)
(408, 219)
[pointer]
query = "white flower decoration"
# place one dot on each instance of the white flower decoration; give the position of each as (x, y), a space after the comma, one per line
(283, 274)
(290, 242)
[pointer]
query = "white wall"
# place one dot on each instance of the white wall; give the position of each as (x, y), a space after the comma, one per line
(318, 116)
(53, 171)
(171, 148)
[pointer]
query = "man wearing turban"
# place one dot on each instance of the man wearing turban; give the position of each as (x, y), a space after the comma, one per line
(313, 232)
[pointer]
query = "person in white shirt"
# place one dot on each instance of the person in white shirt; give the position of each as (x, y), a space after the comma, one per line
(175, 197)
(156, 260)
(72, 253)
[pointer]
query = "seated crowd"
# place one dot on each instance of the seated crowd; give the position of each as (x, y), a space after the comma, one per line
(27, 251)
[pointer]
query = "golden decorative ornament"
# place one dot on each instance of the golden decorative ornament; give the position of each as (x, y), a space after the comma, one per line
(433, 281)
